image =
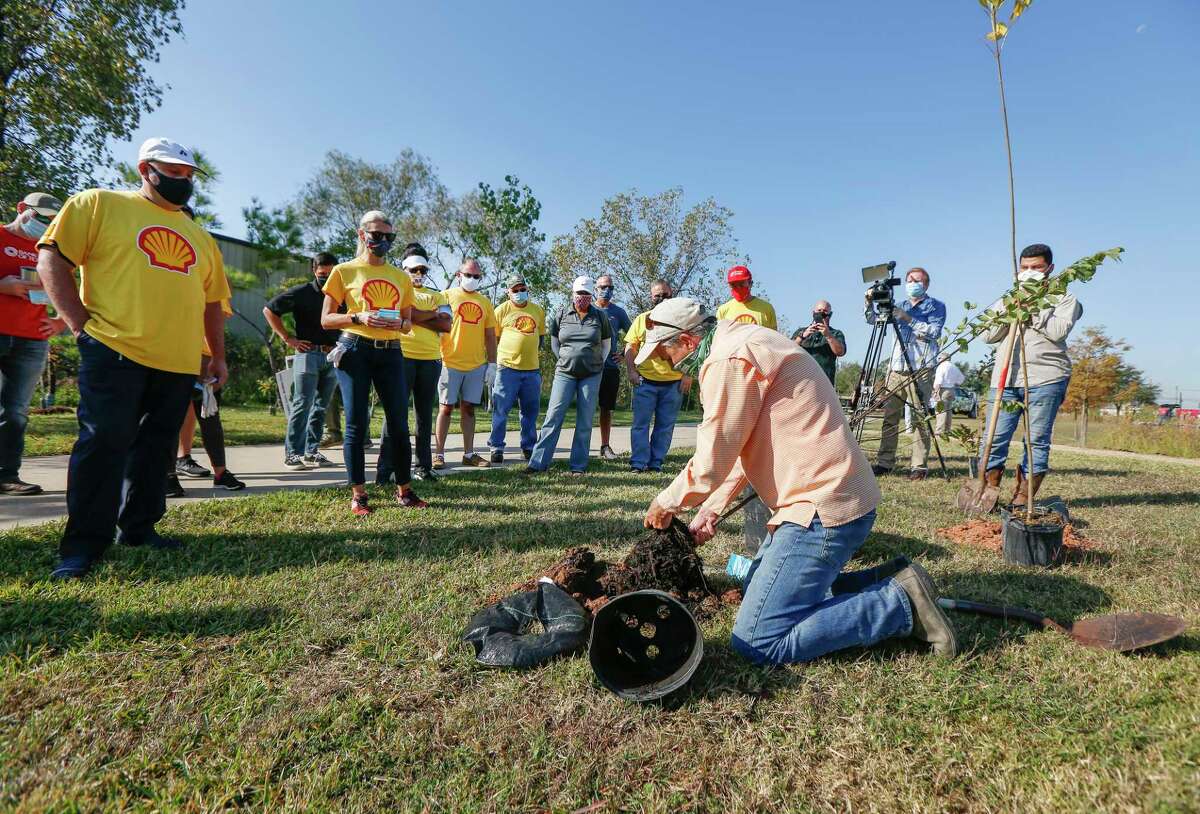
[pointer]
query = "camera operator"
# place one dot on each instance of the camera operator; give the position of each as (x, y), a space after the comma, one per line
(919, 321)
(824, 344)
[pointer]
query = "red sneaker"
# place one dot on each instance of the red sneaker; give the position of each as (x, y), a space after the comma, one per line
(409, 500)
(359, 506)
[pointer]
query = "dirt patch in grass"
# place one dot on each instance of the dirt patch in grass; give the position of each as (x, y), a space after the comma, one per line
(987, 536)
(663, 560)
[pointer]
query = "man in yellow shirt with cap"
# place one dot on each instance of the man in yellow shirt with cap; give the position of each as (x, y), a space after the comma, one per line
(150, 294)
(743, 306)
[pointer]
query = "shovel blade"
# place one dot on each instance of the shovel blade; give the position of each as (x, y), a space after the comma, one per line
(1127, 631)
(977, 499)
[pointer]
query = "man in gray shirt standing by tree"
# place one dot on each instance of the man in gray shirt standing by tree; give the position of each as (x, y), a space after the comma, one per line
(1049, 373)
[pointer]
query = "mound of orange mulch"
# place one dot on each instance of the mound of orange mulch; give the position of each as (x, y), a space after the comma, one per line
(987, 535)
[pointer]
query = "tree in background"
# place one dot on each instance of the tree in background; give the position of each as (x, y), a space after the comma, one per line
(1132, 389)
(73, 77)
(200, 202)
(1095, 373)
(499, 228)
(846, 378)
(407, 189)
(638, 239)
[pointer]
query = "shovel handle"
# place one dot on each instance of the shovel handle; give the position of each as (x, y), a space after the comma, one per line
(736, 507)
(994, 417)
(999, 611)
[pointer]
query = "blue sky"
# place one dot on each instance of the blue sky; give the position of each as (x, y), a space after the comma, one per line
(840, 134)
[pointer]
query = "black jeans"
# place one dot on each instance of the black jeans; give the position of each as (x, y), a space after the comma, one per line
(421, 378)
(362, 365)
(129, 417)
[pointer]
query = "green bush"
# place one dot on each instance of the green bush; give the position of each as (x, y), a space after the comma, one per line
(250, 378)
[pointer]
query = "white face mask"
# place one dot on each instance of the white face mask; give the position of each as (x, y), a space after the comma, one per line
(1024, 275)
(32, 227)
(469, 283)
(418, 280)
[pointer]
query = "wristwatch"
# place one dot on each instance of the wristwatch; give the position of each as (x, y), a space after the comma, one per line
(354, 318)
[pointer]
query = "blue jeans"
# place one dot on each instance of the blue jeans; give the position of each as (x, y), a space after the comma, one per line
(1044, 401)
(129, 417)
(791, 613)
(362, 365)
(565, 389)
(660, 401)
(524, 389)
(313, 380)
(21, 363)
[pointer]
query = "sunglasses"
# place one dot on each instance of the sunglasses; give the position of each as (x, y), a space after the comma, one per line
(474, 276)
(40, 218)
(377, 236)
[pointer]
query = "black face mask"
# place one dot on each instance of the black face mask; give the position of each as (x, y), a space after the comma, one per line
(174, 190)
(655, 299)
(321, 279)
(379, 248)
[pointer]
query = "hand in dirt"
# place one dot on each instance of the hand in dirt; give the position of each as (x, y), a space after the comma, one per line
(657, 517)
(703, 526)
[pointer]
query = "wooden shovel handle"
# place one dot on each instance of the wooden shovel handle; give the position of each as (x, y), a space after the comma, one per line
(994, 416)
(999, 611)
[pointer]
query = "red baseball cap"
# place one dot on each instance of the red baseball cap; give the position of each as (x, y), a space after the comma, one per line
(738, 274)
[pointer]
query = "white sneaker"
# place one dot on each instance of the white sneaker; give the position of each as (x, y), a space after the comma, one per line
(606, 452)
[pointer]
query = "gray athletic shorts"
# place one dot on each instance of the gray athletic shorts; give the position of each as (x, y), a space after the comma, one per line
(459, 385)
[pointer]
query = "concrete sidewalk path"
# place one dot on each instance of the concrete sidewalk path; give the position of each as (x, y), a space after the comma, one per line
(261, 467)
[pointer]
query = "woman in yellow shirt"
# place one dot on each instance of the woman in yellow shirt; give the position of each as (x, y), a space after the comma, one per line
(378, 299)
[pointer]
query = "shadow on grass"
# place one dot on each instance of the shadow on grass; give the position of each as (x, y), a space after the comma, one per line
(61, 624)
(1141, 499)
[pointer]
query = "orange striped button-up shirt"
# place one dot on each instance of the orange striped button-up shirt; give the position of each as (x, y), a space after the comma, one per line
(772, 418)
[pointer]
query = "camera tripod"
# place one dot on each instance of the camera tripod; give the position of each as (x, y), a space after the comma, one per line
(871, 393)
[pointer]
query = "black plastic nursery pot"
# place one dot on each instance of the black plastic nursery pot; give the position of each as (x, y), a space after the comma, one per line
(645, 645)
(1037, 543)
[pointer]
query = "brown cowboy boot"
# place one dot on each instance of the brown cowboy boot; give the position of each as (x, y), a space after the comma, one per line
(1035, 483)
(993, 476)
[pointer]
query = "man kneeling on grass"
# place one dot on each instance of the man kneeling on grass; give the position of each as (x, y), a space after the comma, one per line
(772, 419)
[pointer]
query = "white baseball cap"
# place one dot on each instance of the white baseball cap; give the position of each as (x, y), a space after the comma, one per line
(165, 151)
(668, 320)
(582, 285)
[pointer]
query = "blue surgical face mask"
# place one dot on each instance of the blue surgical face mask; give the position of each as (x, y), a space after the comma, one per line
(520, 297)
(915, 289)
(604, 292)
(33, 228)
(379, 248)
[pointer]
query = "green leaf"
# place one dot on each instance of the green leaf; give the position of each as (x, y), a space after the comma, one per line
(998, 32)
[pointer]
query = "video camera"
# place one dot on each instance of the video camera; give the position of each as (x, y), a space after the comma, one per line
(881, 292)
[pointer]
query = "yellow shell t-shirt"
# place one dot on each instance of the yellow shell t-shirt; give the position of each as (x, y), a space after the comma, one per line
(753, 311)
(463, 346)
(146, 274)
(363, 287)
(424, 343)
(654, 369)
(520, 327)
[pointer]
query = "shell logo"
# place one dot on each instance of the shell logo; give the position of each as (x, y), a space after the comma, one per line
(167, 249)
(380, 293)
(746, 319)
(525, 324)
(470, 312)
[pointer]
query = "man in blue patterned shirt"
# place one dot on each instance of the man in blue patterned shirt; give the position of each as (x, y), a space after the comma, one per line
(920, 319)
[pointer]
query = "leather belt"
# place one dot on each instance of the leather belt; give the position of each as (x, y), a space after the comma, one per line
(382, 344)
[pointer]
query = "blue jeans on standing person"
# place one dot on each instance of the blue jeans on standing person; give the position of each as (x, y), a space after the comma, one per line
(313, 380)
(799, 606)
(566, 388)
(522, 388)
(362, 365)
(1044, 401)
(21, 364)
(129, 417)
(659, 401)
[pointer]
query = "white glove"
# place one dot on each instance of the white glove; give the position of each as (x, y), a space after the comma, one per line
(489, 375)
(208, 402)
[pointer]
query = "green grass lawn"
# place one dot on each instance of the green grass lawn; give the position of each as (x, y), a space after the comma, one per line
(54, 434)
(294, 657)
(1108, 432)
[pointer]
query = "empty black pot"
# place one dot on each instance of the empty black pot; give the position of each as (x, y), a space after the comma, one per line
(645, 644)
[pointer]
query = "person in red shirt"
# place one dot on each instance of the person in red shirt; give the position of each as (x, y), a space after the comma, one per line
(25, 328)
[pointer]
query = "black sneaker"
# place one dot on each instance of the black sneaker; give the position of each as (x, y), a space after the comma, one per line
(294, 463)
(421, 473)
(71, 568)
(317, 460)
(174, 489)
(228, 481)
(527, 453)
(188, 467)
(497, 456)
(16, 486)
(878, 470)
